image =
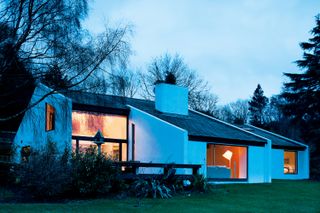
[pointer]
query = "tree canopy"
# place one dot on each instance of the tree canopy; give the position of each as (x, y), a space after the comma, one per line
(302, 93)
(48, 39)
(173, 69)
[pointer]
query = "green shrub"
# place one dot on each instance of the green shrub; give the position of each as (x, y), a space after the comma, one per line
(199, 183)
(45, 174)
(151, 187)
(94, 174)
(48, 175)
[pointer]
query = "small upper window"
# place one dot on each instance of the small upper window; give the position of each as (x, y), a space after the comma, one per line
(290, 162)
(50, 117)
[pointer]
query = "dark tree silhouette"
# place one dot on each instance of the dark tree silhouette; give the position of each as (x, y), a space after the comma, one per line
(170, 78)
(55, 78)
(257, 105)
(302, 93)
(47, 37)
(16, 82)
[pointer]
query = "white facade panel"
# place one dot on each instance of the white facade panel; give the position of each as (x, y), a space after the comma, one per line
(196, 153)
(32, 130)
(156, 141)
(278, 165)
(257, 163)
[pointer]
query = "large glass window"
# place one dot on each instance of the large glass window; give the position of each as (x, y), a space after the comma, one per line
(110, 150)
(226, 162)
(290, 162)
(88, 123)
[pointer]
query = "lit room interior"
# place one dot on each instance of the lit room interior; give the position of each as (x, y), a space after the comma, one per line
(226, 162)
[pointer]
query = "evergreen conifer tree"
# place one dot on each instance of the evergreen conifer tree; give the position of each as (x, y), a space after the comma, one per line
(257, 105)
(302, 93)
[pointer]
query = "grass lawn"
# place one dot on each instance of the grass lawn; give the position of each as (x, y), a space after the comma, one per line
(280, 196)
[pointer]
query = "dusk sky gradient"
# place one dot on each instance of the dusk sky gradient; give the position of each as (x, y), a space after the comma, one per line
(234, 45)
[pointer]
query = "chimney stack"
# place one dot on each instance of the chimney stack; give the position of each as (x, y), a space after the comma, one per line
(171, 98)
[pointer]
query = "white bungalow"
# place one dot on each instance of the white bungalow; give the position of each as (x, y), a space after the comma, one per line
(163, 131)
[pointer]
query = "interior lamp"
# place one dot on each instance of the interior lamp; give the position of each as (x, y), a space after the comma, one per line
(228, 155)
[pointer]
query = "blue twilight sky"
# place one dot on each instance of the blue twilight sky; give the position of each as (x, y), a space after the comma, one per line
(233, 44)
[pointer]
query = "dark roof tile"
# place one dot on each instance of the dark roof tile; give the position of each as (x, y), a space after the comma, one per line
(277, 140)
(196, 124)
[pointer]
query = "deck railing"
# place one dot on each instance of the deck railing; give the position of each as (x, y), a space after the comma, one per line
(131, 168)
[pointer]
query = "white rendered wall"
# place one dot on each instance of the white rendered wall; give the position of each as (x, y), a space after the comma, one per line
(258, 165)
(171, 99)
(156, 141)
(278, 164)
(196, 153)
(32, 130)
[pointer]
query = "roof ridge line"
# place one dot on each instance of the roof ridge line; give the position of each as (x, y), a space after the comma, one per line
(110, 95)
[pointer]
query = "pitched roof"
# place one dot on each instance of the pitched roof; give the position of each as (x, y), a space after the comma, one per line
(277, 141)
(200, 127)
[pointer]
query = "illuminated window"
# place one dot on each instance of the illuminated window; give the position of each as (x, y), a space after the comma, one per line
(88, 123)
(290, 162)
(50, 117)
(226, 162)
(110, 150)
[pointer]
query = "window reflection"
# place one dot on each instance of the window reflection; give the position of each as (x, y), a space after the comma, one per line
(88, 123)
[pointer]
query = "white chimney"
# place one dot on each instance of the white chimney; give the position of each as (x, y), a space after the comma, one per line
(171, 98)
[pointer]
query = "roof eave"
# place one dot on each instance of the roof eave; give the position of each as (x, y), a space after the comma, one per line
(100, 109)
(295, 148)
(225, 140)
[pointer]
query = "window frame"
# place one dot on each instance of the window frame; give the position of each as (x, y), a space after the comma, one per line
(232, 179)
(296, 161)
(53, 118)
(133, 141)
(78, 138)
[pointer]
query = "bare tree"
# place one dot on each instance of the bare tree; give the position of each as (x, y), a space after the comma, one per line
(205, 103)
(48, 33)
(200, 97)
(124, 82)
(235, 112)
(240, 111)
(224, 113)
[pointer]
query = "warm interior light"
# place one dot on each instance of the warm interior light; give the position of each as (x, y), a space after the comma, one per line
(227, 155)
(219, 164)
(88, 123)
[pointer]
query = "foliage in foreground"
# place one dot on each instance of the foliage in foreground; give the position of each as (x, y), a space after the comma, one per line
(93, 174)
(168, 185)
(44, 174)
(47, 174)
